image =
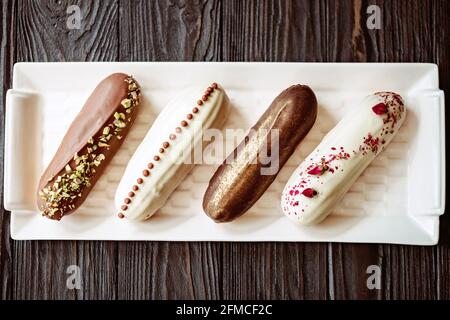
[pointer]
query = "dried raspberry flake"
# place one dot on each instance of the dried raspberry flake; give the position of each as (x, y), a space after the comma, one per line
(379, 109)
(309, 192)
(318, 170)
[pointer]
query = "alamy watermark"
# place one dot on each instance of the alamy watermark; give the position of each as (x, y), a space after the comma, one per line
(212, 145)
(74, 17)
(74, 279)
(374, 18)
(374, 279)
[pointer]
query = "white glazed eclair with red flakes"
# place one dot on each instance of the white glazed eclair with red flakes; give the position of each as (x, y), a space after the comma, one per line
(323, 178)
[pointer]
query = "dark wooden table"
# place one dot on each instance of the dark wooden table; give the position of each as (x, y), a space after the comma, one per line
(312, 31)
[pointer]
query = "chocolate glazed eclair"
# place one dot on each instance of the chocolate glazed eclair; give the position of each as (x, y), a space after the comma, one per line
(238, 183)
(88, 145)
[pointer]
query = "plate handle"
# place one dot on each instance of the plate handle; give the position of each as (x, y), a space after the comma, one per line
(427, 171)
(22, 150)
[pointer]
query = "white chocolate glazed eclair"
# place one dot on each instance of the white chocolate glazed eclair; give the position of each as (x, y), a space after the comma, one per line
(324, 177)
(164, 157)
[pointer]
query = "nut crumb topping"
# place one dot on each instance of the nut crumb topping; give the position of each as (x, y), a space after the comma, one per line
(63, 190)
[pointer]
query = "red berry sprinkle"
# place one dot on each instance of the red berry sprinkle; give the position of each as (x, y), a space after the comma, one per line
(140, 181)
(189, 116)
(309, 192)
(318, 170)
(380, 109)
(146, 173)
(135, 188)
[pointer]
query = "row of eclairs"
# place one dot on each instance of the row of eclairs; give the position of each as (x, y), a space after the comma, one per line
(157, 167)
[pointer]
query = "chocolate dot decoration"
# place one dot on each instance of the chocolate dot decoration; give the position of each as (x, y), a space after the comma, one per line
(124, 207)
(166, 144)
(120, 215)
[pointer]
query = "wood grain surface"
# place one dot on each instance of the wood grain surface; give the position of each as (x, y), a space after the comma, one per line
(311, 31)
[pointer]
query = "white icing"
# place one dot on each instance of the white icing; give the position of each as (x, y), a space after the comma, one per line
(349, 134)
(173, 165)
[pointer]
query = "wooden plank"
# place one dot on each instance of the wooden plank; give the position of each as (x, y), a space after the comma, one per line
(274, 271)
(41, 34)
(408, 34)
(274, 31)
(5, 81)
(348, 263)
(229, 31)
(169, 31)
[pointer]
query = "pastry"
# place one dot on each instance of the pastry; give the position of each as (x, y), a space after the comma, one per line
(244, 176)
(324, 177)
(164, 157)
(88, 146)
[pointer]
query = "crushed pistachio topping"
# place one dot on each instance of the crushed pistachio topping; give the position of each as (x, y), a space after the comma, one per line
(63, 190)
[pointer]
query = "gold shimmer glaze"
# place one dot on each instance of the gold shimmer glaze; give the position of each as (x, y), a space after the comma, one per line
(238, 183)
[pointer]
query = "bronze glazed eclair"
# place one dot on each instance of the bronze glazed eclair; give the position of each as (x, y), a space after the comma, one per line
(244, 176)
(88, 146)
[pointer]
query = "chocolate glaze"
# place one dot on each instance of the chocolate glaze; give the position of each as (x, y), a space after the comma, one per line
(235, 187)
(97, 112)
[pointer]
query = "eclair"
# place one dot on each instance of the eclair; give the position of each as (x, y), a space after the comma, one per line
(164, 158)
(324, 177)
(88, 146)
(250, 169)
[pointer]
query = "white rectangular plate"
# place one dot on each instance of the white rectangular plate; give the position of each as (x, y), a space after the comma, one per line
(398, 199)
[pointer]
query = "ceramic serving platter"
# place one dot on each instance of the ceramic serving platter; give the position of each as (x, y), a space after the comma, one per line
(398, 199)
